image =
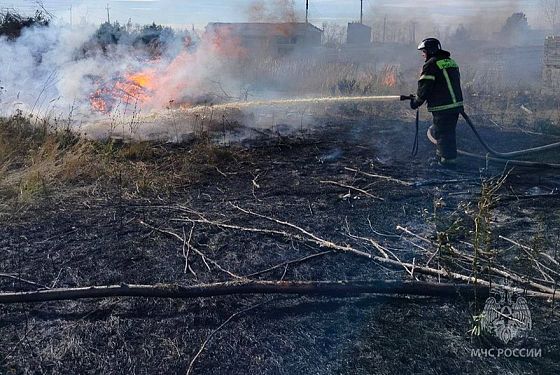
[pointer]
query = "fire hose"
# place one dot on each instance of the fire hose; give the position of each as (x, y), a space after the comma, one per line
(501, 157)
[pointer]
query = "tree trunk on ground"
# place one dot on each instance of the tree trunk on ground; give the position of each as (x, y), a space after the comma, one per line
(324, 288)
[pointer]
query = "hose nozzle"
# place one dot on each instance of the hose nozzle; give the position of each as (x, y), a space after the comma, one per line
(406, 97)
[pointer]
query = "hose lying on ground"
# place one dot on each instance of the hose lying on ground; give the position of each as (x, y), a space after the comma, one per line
(520, 163)
(502, 157)
(512, 154)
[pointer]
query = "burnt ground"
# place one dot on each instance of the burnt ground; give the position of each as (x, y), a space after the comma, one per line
(96, 237)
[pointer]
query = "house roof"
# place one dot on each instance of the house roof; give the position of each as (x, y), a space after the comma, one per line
(264, 29)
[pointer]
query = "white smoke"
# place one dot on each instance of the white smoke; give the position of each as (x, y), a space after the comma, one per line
(39, 70)
(53, 71)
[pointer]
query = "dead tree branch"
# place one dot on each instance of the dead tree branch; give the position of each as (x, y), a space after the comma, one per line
(352, 188)
(324, 288)
(21, 280)
(205, 259)
(187, 250)
(386, 178)
(312, 238)
(527, 248)
(205, 342)
(289, 263)
(498, 271)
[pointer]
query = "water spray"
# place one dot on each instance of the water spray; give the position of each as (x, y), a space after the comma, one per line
(289, 102)
(273, 102)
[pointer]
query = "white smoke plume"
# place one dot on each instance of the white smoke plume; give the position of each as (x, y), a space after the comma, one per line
(52, 72)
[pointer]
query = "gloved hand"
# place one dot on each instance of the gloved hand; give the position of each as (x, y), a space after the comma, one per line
(414, 103)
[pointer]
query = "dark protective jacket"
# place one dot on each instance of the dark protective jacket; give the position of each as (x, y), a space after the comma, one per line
(440, 84)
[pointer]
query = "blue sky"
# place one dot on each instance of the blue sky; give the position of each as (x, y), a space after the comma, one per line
(200, 12)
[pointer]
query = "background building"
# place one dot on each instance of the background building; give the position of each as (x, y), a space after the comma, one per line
(271, 39)
(551, 65)
(358, 34)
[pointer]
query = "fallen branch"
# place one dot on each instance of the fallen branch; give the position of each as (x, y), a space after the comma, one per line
(22, 280)
(352, 188)
(255, 186)
(205, 342)
(504, 273)
(205, 259)
(527, 248)
(382, 250)
(324, 288)
(186, 252)
(289, 263)
(312, 238)
(386, 178)
(553, 260)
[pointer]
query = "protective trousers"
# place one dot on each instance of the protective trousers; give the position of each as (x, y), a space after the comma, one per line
(445, 125)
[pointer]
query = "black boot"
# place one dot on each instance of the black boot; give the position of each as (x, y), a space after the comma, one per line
(448, 163)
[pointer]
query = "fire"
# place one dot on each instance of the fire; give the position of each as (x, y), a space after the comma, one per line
(97, 103)
(143, 79)
(389, 76)
(161, 81)
(132, 88)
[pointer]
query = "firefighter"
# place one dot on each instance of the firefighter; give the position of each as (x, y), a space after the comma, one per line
(440, 85)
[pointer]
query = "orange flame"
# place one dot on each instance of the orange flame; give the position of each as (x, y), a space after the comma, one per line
(142, 79)
(97, 103)
(162, 82)
(389, 76)
(131, 89)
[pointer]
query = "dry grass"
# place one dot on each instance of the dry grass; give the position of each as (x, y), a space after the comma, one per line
(36, 156)
(317, 76)
(37, 161)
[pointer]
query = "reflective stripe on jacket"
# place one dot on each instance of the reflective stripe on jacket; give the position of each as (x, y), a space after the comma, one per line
(440, 83)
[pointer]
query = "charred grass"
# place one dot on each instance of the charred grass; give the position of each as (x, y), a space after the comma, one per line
(80, 230)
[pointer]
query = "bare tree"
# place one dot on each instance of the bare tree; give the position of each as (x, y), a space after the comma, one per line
(551, 13)
(333, 34)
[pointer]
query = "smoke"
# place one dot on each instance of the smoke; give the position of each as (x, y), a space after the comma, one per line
(56, 70)
(96, 73)
(273, 11)
(39, 67)
(482, 19)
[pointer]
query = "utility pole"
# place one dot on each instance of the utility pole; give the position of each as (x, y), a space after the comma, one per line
(384, 27)
(306, 11)
(361, 11)
(108, 16)
(70, 15)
